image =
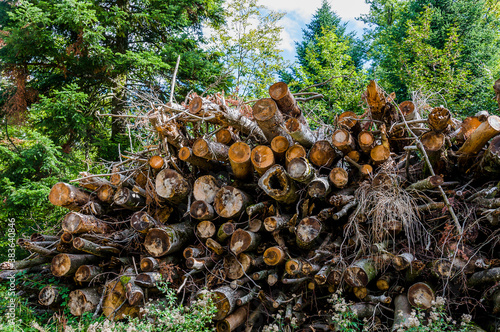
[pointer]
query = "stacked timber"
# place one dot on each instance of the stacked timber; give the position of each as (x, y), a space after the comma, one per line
(251, 203)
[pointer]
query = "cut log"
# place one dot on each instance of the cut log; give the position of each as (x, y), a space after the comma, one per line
(94, 248)
(402, 312)
(24, 264)
(242, 240)
(118, 179)
(274, 256)
(231, 202)
(360, 273)
(379, 155)
(308, 232)
(215, 246)
(193, 252)
(366, 141)
(300, 170)
(233, 321)
(92, 183)
(115, 305)
(236, 267)
(199, 264)
(67, 238)
(68, 196)
(262, 158)
(279, 145)
(269, 119)
(205, 188)
(224, 299)
(491, 159)
(481, 136)
(128, 199)
(339, 177)
(433, 143)
(275, 223)
(284, 99)
(354, 155)
(171, 186)
(210, 150)
(148, 279)
(295, 151)
(50, 296)
(186, 154)
(439, 119)
(86, 273)
(484, 277)
(278, 185)
(319, 187)
(170, 130)
(421, 295)
(408, 109)
(403, 261)
(205, 229)
(202, 211)
(385, 281)
(226, 136)
(349, 121)
(106, 193)
(163, 241)
(235, 118)
(67, 264)
(150, 264)
(240, 160)
(225, 231)
(343, 140)
(428, 183)
(300, 132)
(322, 154)
(83, 300)
(142, 222)
(156, 162)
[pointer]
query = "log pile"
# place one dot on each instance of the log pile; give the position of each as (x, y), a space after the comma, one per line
(269, 214)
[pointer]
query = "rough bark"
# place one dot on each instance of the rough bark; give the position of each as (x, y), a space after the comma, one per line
(269, 119)
(277, 184)
(300, 133)
(210, 150)
(67, 264)
(360, 273)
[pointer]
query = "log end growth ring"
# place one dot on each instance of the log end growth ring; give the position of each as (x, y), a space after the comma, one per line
(240, 152)
(157, 242)
(264, 109)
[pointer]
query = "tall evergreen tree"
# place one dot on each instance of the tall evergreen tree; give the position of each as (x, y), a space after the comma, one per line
(399, 46)
(99, 49)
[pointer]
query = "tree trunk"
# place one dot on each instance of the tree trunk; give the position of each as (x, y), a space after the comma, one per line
(481, 136)
(68, 196)
(308, 232)
(322, 154)
(280, 93)
(225, 231)
(92, 183)
(366, 141)
(439, 119)
(148, 279)
(274, 256)
(76, 223)
(262, 158)
(269, 119)
(128, 199)
(86, 273)
(106, 193)
(279, 146)
(385, 281)
(142, 222)
(224, 299)
(233, 321)
(484, 277)
(172, 186)
(360, 273)
(240, 160)
(402, 312)
(433, 143)
(67, 264)
(421, 295)
(275, 223)
(295, 151)
(210, 150)
(300, 132)
(236, 119)
(339, 177)
(319, 188)
(490, 162)
(24, 264)
(379, 154)
(230, 202)
(226, 136)
(408, 109)
(49, 296)
(202, 211)
(300, 170)
(83, 300)
(242, 240)
(205, 188)
(94, 248)
(235, 267)
(278, 185)
(115, 305)
(343, 141)
(186, 154)
(163, 241)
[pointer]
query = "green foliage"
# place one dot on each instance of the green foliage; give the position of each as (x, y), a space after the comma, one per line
(248, 45)
(330, 59)
(165, 314)
(449, 47)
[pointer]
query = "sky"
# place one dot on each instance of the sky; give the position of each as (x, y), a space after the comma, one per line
(300, 13)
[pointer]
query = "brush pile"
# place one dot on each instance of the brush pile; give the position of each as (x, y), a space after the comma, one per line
(269, 214)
